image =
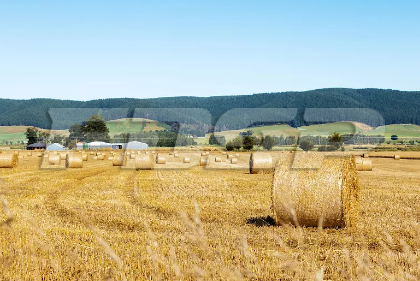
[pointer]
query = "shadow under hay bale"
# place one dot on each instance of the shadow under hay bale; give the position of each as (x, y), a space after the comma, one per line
(261, 221)
(326, 197)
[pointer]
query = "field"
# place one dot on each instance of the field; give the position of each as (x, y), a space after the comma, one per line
(133, 125)
(103, 222)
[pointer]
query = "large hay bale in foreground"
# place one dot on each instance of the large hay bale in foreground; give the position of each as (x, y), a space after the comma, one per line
(74, 160)
(312, 197)
(260, 163)
(9, 160)
(54, 159)
(397, 157)
(186, 160)
(160, 159)
(204, 161)
(119, 160)
(144, 162)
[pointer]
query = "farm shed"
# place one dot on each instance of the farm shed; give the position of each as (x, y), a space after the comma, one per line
(99, 145)
(55, 146)
(136, 145)
(36, 146)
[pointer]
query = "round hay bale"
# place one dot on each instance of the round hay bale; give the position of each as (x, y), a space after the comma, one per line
(363, 164)
(229, 156)
(85, 157)
(176, 155)
(234, 161)
(111, 158)
(74, 160)
(153, 152)
(365, 155)
(204, 161)
(95, 157)
(63, 156)
(207, 153)
(9, 160)
(260, 163)
(397, 157)
(203, 154)
(39, 154)
(91, 153)
(100, 157)
(224, 152)
(160, 159)
(54, 159)
(217, 159)
(119, 160)
(312, 197)
(237, 155)
(21, 156)
(144, 162)
(133, 156)
(186, 160)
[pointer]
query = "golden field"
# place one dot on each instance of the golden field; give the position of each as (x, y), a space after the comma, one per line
(111, 223)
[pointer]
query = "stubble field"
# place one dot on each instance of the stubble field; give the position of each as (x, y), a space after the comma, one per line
(106, 223)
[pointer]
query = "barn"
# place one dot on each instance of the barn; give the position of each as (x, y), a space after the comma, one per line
(35, 146)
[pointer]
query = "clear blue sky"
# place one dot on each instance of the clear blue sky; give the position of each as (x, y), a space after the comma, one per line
(98, 49)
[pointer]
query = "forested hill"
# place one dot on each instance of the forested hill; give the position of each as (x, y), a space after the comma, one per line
(396, 107)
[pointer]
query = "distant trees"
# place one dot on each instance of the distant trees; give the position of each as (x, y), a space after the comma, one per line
(394, 137)
(32, 134)
(217, 140)
(95, 129)
(268, 142)
(336, 140)
(248, 143)
(306, 145)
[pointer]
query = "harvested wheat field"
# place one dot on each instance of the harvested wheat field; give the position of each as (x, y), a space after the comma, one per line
(105, 222)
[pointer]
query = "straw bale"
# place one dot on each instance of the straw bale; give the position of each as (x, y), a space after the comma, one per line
(204, 161)
(217, 159)
(325, 197)
(234, 161)
(85, 157)
(74, 160)
(133, 156)
(63, 156)
(160, 159)
(144, 162)
(363, 164)
(186, 160)
(397, 157)
(54, 159)
(260, 163)
(119, 160)
(9, 160)
(100, 157)
(365, 155)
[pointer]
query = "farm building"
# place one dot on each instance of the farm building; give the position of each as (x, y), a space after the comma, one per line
(136, 145)
(99, 145)
(36, 146)
(55, 146)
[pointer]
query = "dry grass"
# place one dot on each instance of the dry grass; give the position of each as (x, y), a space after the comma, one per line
(104, 222)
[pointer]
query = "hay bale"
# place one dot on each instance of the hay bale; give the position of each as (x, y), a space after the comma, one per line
(39, 154)
(237, 155)
(397, 157)
(160, 159)
(365, 155)
(186, 160)
(119, 160)
(234, 161)
(8, 160)
(74, 160)
(311, 197)
(207, 153)
(144, 162)
(133, 156)
(95, 157)
(85, 157)
(224, 152)
(91, 153)
(217, 159)
(54, 159)
(260, 163)
(100, 157)
(111, 158)
(363, 164)
(176, 155)
(204, 161)
(203, 154)
(63, 156)
(229, 156)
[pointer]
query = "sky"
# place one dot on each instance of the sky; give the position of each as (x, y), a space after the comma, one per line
(83, 50)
